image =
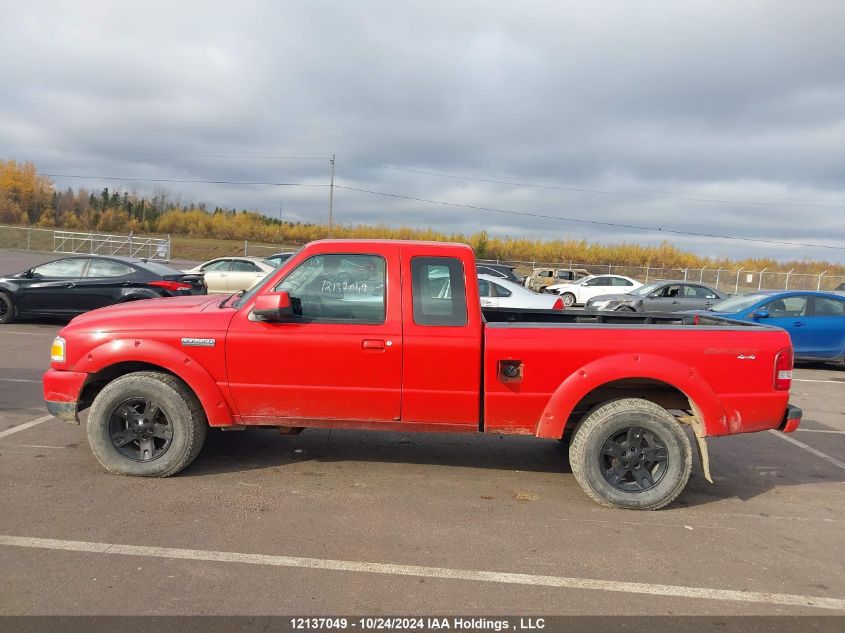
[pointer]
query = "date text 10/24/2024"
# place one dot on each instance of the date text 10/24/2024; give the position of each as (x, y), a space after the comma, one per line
(386, 623)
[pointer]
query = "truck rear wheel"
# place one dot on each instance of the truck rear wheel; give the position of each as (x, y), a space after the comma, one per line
(631, 453)
(146, 424)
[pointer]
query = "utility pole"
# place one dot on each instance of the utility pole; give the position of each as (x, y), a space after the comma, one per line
(279, 234)
(331, 195)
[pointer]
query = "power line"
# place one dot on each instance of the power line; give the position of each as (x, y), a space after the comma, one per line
(176, 180)
(458, 205)
(297, 156)
(607, 192)
(594, 222)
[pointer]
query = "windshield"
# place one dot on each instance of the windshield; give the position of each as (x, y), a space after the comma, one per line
(642, 291)
(737, 304)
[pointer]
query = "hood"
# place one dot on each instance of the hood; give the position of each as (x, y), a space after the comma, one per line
(194, 311)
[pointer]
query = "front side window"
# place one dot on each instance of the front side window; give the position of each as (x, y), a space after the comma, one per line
(787, 307)
(544, 273)
(338, 288)
(218, 266)
(438, 291)
(62, 269)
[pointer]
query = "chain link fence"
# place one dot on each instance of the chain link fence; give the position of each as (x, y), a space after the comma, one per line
(730, 280)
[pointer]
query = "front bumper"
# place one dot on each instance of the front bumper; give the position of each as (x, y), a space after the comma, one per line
(66, 411)
(791, 419)
(62, 393)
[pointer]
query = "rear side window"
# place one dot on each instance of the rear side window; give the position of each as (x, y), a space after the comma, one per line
(698, 292)
(106, 268)
(438, 290)
(619, 281)
(829, 307)
(240, 266)
(501, 291)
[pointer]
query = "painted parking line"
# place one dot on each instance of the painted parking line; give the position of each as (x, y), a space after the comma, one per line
(18, 380)
(818, 431)
(25, 426)
(678, 591)
(3, 331)
(832, 382)
(810, 449)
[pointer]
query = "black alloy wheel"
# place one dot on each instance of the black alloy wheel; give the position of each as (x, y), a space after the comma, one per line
(140, 429)
(633, 459)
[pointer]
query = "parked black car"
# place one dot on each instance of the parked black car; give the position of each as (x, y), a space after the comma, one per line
(498, 270)
(660, 296)
(72, 285)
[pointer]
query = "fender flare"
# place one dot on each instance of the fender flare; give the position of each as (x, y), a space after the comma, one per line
(118, 351)
(704, 401)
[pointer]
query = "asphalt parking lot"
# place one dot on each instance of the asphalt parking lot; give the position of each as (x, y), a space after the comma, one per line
(336, 522)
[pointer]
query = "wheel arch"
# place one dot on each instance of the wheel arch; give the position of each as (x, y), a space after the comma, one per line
(112, 360)
(657, 379)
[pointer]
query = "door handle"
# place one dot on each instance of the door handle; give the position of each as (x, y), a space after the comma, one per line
(70, 285)
(674, 303)
(371, 343)
(799, 323)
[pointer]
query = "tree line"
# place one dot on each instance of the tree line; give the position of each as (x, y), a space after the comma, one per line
(30, 199)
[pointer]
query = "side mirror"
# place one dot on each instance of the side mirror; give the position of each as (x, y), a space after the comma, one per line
(273, 307)
(761, 314)
(28, 274)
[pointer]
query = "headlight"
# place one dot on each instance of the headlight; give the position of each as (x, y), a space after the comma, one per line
(57, 350)
(599, 305)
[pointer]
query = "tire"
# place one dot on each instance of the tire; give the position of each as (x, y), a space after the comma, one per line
(610, 451)
(126, 441)
(7, 309)
(568, 299)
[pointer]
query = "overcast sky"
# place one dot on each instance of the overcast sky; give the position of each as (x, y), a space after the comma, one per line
(724, 118)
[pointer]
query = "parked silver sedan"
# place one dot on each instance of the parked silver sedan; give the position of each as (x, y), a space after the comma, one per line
(660, 296)
(501, 293)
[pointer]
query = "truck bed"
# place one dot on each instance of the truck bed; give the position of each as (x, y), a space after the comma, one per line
(521, 315)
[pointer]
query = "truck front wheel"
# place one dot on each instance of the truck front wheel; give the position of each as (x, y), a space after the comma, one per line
(146, 424)
(631, 453)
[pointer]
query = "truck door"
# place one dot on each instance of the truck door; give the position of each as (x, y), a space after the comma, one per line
(442, 347)
(341, 359)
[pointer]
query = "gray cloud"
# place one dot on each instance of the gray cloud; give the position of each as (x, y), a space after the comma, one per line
(653, 104)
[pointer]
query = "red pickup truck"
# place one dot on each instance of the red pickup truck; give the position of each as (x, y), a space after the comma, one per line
(389, 335)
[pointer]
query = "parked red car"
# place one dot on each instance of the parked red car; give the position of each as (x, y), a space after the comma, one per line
(405, 347)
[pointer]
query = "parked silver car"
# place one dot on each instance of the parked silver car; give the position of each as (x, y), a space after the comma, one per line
(660, 296)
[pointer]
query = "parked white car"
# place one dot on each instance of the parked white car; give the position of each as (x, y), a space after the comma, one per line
(579, 292)
(501, 293)
(226, 275)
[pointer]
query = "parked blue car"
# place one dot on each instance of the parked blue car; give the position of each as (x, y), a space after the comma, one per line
(815, 320)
